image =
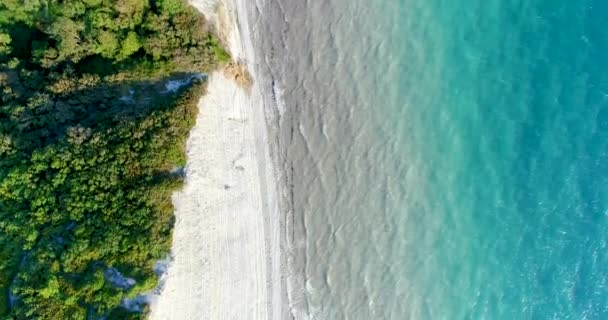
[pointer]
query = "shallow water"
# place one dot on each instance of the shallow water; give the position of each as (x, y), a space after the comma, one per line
(443, 159)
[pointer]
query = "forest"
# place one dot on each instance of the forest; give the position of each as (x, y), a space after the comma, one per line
(91, 148)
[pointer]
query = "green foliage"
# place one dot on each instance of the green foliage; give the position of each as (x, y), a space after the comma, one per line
(74, 30)
(82, 192)
(5, 41)
(12, 11)
(123, 314)
(130, 45)
(89, 144)
(171, 7)
(108, 45)
(219, 52)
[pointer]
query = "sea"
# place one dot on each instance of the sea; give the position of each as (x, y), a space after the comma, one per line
(440, 159)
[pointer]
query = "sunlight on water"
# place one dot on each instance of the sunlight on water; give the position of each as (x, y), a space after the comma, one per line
(446, 160)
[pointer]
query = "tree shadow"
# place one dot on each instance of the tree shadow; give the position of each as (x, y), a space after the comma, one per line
(48, 117)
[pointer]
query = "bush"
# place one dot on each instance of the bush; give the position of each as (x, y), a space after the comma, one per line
(88, 146)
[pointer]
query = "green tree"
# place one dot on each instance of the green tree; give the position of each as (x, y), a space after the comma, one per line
(88, 147)
(107, 44)
(130, 13)
(5, 41)
(130, 45)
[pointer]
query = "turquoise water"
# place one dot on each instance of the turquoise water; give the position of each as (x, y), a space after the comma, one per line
(443, 159)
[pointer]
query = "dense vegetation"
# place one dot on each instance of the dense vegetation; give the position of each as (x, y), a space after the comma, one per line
(90, 141)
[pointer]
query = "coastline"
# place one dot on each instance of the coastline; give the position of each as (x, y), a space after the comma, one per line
(226, 252)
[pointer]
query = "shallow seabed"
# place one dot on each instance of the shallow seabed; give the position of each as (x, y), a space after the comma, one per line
(443, 159)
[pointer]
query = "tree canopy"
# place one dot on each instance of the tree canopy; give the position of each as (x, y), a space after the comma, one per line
(90, 146)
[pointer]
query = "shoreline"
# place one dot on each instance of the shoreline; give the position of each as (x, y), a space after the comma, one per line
(226, 253)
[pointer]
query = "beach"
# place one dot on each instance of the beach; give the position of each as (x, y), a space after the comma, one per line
(226, 259)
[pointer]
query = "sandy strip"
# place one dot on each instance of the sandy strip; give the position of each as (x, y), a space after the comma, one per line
(226, 248)
(219, 263)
